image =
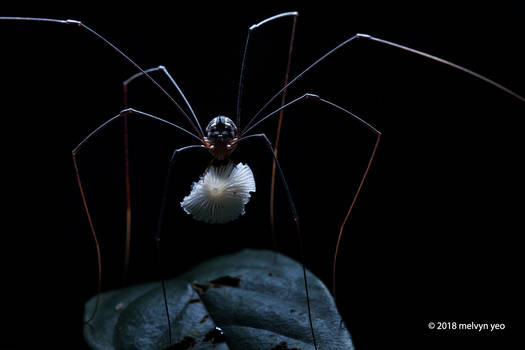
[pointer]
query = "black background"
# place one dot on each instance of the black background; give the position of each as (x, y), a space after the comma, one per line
(434, 236)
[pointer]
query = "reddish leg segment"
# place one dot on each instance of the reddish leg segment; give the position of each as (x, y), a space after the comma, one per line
(75, 151)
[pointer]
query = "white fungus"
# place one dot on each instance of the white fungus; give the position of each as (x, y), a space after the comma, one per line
(220, 194)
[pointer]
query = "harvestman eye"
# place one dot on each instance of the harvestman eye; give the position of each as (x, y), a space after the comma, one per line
(224, 188)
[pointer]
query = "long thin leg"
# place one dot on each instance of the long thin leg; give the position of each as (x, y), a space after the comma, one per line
(127, 181)
(93, 233)
(75, 151)
(356, 194)
(197, 130)
(126, 152)
(296, 220)
(392, 44)
(278, 133)
(278, 110)
(245, 55)
(131, 111)
(128, 198)
(283, 100)
(160, 223)
(370, 127)
(126, 82)
(165, 71)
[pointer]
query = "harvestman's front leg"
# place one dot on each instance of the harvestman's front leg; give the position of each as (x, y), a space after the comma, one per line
(391, 44)
(293, 14)
(126, 82)
(75, 151)
(127, 174)
(173, 82)
(126, 150)
(81, 25)
(193, 122)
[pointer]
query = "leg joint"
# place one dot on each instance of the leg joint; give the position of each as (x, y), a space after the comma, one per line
(312, 96)
(127, 111)
(72, 21)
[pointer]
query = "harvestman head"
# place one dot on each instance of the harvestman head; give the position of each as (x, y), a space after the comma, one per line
(222, 135)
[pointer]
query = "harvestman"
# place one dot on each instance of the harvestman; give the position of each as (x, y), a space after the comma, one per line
(222, 135)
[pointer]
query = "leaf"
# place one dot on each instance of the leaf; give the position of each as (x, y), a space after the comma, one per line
(255, 297)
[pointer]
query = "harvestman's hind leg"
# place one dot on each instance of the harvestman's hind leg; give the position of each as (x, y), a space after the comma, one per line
(291, 203)
(253, 121)
(75, 151)
(289, 196)
(370, 127)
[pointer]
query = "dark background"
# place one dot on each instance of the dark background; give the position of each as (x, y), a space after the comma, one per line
(434, 236)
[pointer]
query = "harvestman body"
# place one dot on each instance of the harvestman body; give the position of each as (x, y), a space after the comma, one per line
(222, 135)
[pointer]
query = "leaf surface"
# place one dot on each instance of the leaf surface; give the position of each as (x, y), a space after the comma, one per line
(253, 299)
